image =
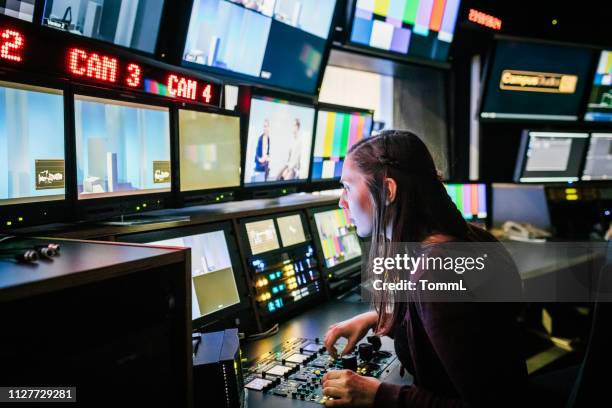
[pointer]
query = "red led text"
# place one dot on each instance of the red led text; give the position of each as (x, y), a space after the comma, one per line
(11, 45)
(92, 65)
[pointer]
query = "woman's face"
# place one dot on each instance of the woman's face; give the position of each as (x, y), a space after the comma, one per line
(356, 198)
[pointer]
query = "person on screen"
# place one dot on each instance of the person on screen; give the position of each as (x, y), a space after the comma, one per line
(291, 170)
(262, 155)
(460, 353)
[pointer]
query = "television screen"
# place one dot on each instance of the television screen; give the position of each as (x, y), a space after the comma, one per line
(598, 165)
(536, 81)
(21, 9)
(520, 203)
(291, 230)
(122, 148)
(550, 157)
(279, 141)
(129, 23)
(337, 237)
(413, 28)
(336, 132)
(209, 150)
(600, 101)
(262, 236)
(278, 43)
(31, 144)
(213, 282)
(470, 199)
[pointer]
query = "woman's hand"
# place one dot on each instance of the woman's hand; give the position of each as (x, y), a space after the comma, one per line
(349, 389)
(353, 330)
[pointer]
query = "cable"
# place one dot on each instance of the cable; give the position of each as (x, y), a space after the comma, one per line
(270, 332)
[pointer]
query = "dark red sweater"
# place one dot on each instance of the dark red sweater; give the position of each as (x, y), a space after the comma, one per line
(461, 354)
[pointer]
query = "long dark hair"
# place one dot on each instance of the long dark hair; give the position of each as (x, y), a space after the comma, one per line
(421, 206)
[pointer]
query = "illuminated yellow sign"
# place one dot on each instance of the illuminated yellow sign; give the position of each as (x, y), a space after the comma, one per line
(538, 81)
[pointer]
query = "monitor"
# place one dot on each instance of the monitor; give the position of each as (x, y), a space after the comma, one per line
(31, 144)
(470, 199)
(337, 237)
(276, 43)
(209, 150)
(262, 236)
(534, 81)
(291, 230)
(598, 164)
(213, 282)
(21, 9)
(122, 148)
(599, 108)
(279, 141)
(520, 203)
(336, 132)
(550, 157)
(129, 23)
(423, 29)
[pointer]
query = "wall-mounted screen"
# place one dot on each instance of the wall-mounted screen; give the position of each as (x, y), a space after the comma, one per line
(129, 23)
(338, 240)
(278, 43)
(412, 28)
(209, 150)
(31, 144)
(598, 164)
(122, 148)
(279, 141)
(336, 132)
(21, 9)
(599, 108)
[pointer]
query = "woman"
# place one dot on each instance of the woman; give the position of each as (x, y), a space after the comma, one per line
(460, 354)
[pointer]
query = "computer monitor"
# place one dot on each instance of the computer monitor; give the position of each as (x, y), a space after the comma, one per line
(278, 43)
(218, 286)
(31, 144)
(411, 28)
(262, 236)
(21, 9)
(291, 230)
(337, 237)
(535, 81)
(123, 148)
(470, 199)
(209, 150)
(279, 142)
(599, 108)
(550, 157)
(520, 203)
(129, 23)
(337, 130)
(598, 164)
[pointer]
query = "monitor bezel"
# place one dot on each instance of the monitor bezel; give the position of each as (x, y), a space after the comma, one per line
(234, 78)
(239, 274)
(107, 207)
(201, 196)
(329, 183)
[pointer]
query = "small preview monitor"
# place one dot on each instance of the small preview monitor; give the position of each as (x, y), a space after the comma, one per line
(336, 132)
(31, 144)
(262, 236)
(291, 230)
(122, 148)
(413, 28)
(470, 199)
(129, 23)
(213, 282)
(21, 9)
(209, 150)
(279, 141)
(520, 203)
(550, 157)
(534, 81)
(598, 164)
(599, 108)
(277, 43)
(338, 240)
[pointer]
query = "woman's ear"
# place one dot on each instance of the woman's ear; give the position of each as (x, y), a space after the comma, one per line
(391, 189)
